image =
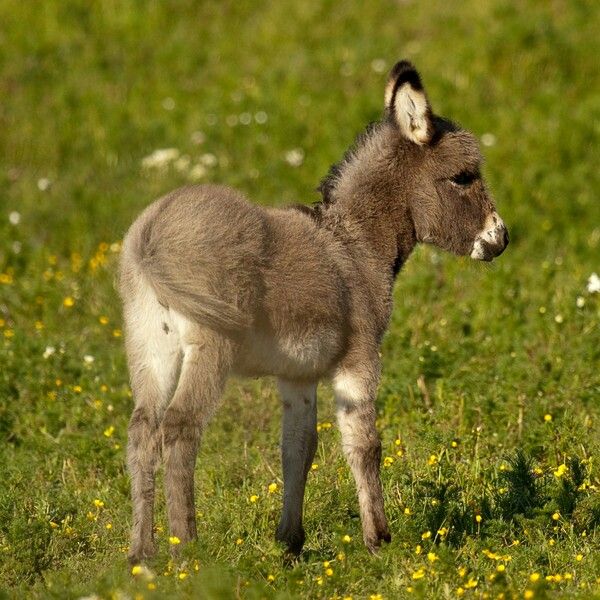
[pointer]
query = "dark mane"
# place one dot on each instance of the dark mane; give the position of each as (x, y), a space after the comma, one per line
(330, 180)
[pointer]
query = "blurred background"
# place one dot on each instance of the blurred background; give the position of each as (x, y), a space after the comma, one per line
(104, 106)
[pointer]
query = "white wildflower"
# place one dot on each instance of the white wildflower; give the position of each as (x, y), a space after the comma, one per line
(245, 118)
(232, 120)
(295, 157)
(198, 137)
(159, 159)
(208, 160)
(88, 359)
(593, 285)
(197, 172)
(261, 117)
(43, 184)
(49, 351)
(168, 104)
(182, 163)
(488, 139)
(580, 302)
(14, 217)
(378, 65)
(16, 247)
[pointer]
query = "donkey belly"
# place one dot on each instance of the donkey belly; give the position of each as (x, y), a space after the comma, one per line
(307, 356)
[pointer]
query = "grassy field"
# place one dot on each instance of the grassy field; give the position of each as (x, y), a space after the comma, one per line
(489, 408)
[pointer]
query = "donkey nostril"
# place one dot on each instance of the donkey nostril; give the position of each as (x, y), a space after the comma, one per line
(505, 237)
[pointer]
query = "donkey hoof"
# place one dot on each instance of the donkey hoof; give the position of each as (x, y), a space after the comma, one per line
(373, 542)
(293, 539)
(138, 554)
(386, 537)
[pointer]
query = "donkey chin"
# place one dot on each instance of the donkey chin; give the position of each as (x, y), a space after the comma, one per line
(492, 240)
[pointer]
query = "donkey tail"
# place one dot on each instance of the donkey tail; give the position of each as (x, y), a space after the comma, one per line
(175, 286)
(178, 294)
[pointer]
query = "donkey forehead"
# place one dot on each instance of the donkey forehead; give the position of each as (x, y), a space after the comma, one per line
(456, 150)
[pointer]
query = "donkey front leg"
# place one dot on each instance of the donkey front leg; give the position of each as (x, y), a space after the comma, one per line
(298, 446)
(206, 364)
(355, 400)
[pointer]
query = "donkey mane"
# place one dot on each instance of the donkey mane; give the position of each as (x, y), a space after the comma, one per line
(331, 180)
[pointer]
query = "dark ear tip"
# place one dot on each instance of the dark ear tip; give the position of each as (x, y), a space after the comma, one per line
(400, 67)
(404, 71)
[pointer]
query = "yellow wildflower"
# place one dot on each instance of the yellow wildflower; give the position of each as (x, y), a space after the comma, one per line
(68, 302)
(272, 488)
(174, 540)
(253, 498)
(561, 470)
(346, 539)
(418, 574)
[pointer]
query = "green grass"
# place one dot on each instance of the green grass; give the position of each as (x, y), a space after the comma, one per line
(89, 89)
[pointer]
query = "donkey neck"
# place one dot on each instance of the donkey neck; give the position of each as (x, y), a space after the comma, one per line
(366, 206)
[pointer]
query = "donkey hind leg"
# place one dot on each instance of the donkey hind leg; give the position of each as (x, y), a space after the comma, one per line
(206, 363)
(154, 358)
(298, 446)
(355, 400)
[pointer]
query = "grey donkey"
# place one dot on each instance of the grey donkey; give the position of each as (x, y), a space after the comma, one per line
(214, 285)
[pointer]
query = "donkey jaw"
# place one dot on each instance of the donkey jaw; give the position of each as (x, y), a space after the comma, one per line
(492, 240)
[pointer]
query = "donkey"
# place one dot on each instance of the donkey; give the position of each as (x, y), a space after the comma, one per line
(213, 285)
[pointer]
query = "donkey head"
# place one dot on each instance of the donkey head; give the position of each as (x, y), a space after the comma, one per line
(449, 202)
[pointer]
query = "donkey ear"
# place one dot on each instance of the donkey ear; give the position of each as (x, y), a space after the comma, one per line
(407, 103)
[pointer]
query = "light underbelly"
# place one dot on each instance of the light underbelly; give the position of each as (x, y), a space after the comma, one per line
(307, 356)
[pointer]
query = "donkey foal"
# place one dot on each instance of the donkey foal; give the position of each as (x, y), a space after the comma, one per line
(213, 285)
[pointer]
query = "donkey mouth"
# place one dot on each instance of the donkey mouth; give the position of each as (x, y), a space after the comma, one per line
(487, 251)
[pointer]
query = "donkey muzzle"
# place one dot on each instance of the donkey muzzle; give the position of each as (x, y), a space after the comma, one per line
(492, 240)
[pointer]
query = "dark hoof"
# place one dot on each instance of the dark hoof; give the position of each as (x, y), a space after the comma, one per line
(293, 539)
(373, 543)
(139, 554)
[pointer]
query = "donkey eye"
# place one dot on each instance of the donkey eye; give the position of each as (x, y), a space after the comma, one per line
(464, 178)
